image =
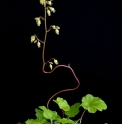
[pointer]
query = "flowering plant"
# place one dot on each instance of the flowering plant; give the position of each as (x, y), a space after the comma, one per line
(44, 115)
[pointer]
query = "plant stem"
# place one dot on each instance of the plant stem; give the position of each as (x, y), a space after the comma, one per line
(82, 116)
(45, 23)
(62, 114)
(65, 66)
(43, 59)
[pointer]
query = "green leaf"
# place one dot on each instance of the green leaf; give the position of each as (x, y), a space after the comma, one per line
(35, 121)
(62, 104)
(92, 104)
(56, 122)
(39, 114)
(66, 121)
(48, 114)
(74, 110)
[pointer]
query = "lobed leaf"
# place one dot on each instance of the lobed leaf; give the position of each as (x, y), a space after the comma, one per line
(74, 110)
(92, 104)
(62, 104)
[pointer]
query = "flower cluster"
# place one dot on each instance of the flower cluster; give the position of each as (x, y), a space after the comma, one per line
(38, 20)
(49, 9)
(51, 63)
(56, 28)
(35, 40)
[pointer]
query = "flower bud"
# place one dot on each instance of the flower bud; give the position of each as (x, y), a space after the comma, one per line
(55, 61)
(35, 41)
(38, 21)
(52, 9)
(33, 38)
(48, 12)
(42, 2)
(57, 31)
(38, 44)
(50, 65)
(49, 3)
(53, 27)
(57, 27)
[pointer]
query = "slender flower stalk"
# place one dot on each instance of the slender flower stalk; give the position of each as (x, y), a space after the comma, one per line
(47, 11)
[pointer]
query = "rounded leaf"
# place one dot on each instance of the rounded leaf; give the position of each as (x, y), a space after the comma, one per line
(92, 104)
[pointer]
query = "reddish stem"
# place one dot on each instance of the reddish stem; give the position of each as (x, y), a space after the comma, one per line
(82, 116)
(65, 89)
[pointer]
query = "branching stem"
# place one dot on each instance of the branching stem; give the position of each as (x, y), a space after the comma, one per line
(44, 63)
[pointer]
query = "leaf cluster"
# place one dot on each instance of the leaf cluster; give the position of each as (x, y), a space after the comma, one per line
(46, 116)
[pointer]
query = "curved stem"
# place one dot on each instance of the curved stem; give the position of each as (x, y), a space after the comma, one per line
(65, 66)
(82, 116)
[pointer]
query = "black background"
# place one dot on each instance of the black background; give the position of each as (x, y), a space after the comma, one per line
(90, 40)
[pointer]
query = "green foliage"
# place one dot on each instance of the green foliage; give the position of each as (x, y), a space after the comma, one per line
(39, 114)
(62, 104)
(35, 121)
(74, 110)
(48, 114)
(92, 104)
(89, 103)
(66, 121)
